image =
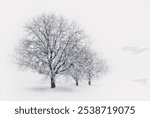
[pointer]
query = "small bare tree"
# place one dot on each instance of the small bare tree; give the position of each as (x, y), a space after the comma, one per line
(93, 68)
(76, 72)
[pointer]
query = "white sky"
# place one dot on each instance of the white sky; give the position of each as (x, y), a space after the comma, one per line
(106, 21)
(113, 20)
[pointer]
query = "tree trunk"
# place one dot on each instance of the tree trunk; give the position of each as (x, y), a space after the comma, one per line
(52, 82)
(77, 83)
(89, 82)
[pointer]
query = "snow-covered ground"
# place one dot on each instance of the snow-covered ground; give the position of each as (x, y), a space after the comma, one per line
(127, 79)
(119, 31)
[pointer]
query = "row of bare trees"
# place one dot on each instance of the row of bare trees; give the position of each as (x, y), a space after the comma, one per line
(54, 46)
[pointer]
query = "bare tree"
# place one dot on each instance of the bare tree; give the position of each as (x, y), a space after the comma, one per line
(52, 45)
(75, 72)
(93, 68)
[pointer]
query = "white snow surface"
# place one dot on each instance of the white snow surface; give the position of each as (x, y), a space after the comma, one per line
(119, 31)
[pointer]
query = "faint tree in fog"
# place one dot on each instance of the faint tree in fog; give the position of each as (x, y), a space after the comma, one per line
(93, 67)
